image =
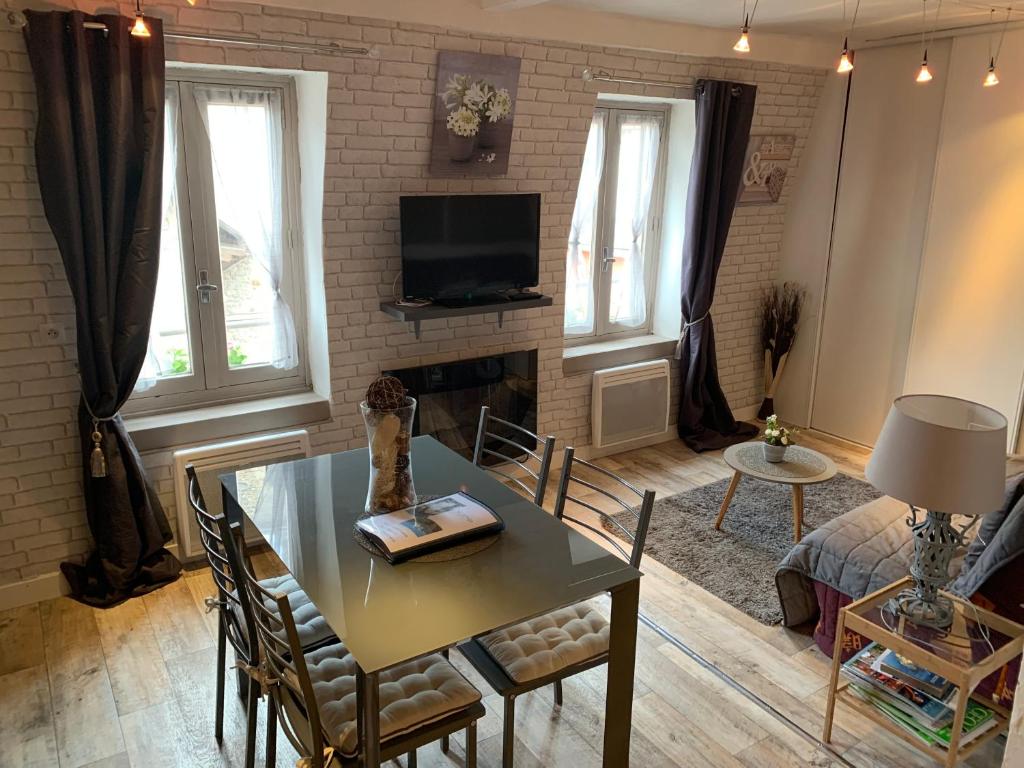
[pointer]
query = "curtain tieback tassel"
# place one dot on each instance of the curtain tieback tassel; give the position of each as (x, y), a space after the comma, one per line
(97, 461)
(686, 330)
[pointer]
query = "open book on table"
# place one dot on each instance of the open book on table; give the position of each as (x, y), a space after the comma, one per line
(429, 526)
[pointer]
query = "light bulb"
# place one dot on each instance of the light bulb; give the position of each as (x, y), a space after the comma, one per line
(139, 28)
(845, 60)
(191, 2)
(924, 75)
(991, 78)
(743, 44)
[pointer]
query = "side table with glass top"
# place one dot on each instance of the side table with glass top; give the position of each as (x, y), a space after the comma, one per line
(978, 644)
(802, 466)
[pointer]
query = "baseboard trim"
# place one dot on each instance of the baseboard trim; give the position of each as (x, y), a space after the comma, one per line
(746, 413)
(592, 452)
(45, 587)
(35, 590)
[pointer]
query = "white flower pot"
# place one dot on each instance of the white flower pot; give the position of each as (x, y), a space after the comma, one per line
(774, 453)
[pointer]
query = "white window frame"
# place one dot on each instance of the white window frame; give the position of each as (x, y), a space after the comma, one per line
(604, 227)
(211, 381)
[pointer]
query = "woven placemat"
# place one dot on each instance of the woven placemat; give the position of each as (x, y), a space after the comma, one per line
(799, 462)
(446, 555)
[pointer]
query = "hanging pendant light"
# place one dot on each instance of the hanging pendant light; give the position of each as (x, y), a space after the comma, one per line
(991, 78)
(845, 60)
(139, 28)
(846, 57)
(743, 44)
(924, 75)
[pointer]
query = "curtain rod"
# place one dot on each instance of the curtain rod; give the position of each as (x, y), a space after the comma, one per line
(18, 20)
(590, 75)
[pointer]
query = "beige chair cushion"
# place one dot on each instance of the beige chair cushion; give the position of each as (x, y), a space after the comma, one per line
(412, 694)
(549, 643)
(311, 626)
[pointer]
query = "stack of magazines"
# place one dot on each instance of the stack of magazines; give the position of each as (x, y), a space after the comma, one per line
(430, 525)
(918, 701)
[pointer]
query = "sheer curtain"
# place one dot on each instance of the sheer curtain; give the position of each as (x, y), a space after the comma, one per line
(151, 368)
(642, 161)
(248, 188)
(581, 259)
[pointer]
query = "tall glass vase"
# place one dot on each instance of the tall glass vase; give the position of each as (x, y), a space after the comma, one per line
(389, 433)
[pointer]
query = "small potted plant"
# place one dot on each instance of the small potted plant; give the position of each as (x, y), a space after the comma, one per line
(463, 126)
(776, 440)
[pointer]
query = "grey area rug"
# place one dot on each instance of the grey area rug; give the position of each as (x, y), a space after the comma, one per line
(737, 563)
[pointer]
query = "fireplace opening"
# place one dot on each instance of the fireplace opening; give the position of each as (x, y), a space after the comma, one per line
(450, 396)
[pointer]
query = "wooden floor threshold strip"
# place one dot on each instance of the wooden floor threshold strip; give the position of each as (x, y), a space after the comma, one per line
(741, 689)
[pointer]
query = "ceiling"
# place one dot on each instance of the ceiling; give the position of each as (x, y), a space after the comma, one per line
(876, 18)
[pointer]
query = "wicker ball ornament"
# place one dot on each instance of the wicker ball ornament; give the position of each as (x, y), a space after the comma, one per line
(386, 393)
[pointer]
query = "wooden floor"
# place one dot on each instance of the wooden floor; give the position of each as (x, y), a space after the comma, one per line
(133, 685)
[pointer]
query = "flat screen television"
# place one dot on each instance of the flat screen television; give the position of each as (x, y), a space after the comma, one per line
(469, 247)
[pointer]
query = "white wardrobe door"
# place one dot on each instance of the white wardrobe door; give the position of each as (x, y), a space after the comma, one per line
(968, 338)
(884, 189)
(805, 238)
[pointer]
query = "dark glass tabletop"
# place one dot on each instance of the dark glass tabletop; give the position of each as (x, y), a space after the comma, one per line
(385, 614)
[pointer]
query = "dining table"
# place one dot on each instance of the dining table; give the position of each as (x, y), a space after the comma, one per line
(385, 614)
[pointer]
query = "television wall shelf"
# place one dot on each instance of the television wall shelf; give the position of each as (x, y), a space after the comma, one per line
(417, 315)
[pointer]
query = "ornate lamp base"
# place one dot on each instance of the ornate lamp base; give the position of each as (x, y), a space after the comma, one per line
(937, 613)
(935, 543)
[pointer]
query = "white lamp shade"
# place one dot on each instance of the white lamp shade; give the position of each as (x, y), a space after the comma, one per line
(942, 454)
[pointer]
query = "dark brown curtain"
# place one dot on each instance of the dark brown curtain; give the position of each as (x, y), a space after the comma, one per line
(724, 114)
(99, 155)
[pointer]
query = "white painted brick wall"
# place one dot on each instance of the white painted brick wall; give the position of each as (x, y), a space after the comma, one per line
(377, 149)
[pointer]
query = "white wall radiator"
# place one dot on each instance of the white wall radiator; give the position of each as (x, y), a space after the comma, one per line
(223, 457)
(630, 402)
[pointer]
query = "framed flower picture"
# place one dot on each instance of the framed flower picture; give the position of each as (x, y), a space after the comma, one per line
(473, 113)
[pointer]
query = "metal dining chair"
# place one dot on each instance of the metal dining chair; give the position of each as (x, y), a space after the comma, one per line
(546, 650)
(234, 623)
(315, 694)
(491, 429)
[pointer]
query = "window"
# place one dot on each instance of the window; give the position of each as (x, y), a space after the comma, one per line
(227, 320)
(613, 242)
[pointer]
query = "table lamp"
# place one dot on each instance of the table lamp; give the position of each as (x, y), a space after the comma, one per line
(947, 456)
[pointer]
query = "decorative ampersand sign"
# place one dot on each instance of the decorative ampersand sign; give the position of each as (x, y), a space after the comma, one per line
(756, 173)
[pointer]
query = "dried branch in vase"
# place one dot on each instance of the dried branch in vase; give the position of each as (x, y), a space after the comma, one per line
(780, 318)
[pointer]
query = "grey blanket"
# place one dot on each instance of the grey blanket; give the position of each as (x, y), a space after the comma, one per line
(855, 553)
(870, 547)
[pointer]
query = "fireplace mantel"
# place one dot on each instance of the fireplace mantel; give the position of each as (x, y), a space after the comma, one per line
(416, 315)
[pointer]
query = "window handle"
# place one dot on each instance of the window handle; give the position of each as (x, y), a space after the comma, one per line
(205, 287)
(607, 259)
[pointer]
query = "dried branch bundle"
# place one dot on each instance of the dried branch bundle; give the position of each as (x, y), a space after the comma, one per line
(780, 316)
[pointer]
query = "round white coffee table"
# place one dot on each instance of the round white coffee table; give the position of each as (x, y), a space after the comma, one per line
(801, 467)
